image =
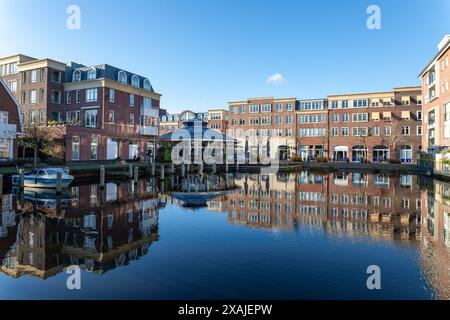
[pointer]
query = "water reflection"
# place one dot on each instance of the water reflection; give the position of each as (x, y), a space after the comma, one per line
(96, 229)
(102, 229)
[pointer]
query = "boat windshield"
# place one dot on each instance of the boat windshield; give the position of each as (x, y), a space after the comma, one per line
(51, 172)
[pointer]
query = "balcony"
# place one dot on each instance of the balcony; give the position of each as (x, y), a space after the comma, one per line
(8, 131)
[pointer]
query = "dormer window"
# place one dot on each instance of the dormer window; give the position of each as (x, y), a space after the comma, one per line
(122, 77)
(147, 85)
(135, 81)
(76, 77)
(92, 74)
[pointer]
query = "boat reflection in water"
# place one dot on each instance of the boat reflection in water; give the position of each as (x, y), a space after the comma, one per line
(96, 229)
(100, 230)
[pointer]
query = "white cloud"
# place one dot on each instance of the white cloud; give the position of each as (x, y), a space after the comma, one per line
(276, 78)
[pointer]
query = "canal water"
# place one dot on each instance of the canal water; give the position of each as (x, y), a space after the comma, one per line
(307, 235)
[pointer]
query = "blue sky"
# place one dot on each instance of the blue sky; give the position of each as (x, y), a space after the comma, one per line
(200, 54)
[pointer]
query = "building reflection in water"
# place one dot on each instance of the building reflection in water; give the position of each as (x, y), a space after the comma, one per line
(98, 229)
(402, 208)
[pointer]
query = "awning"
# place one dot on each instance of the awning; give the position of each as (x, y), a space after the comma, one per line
(375, 116)
(406, 114)
(387, 114)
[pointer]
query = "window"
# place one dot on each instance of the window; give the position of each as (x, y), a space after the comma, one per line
(92, 74)
(122, 77)
(68, 97)
(266, 108)
(254, 121)
(75, 148)
(254, 108)
(42, 75)
(147, 102)
(56, 76)
(131, 100)
(289, 107)
(3, 117)
(76, 76)
(419, 115)
(91, 95)
(111, 116)
(147, 85)
(33, 76)
(360, 103)
(311, 132)
(13, 86)
(335, 104)
(78, 96)
(90, 118)
(279, 120)
(405, 154)
(335, 118)
(135, 81)
(32, 96)
(288, 119)
(360, 117)
(405, 130)
(289, 132)
(42, 117)
(234, 110)
(73, 117)
(387, 131)
(41, 95)
(311, 119)
(419, 130)
(32, 117)
(345, 117)
(345, 132)
(56, 96)
(242, 109)
(94, 148)
(279, 107)
(359, 131)
(266, 120)
(24, 97)
(24, 77)
(375, 131)
(131, 120)
(334, 132)
(345, 104)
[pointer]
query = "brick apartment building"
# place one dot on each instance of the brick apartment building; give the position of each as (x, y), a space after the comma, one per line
(10, 123)
(312, 123)
(435, 90)
(101, 112)
(376, 126)
(265, 123)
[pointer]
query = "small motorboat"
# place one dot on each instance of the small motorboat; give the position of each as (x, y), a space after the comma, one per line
(44, 178)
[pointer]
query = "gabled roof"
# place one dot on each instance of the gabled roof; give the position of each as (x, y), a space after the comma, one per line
(19, 108)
